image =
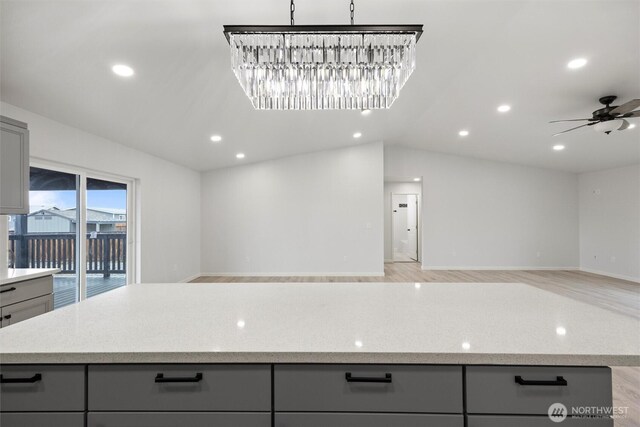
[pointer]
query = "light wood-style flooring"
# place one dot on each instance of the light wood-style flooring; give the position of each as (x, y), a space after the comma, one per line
(616, 295)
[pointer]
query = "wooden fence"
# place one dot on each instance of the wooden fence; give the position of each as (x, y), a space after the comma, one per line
(106, 252)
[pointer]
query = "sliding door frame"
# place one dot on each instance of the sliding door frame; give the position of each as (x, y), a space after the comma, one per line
(82, 174)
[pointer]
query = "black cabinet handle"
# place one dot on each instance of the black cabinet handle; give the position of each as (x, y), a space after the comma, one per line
(559, 381)
(161, 379)
(7, 290)
(351, 379)
(8, 316)
(33, 379)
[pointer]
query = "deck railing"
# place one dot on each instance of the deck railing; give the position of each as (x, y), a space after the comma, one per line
(106, 252)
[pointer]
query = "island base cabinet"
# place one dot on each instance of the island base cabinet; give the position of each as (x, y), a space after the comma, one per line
(42, 388)
(539, 421)
(25, 310)
(189, 388)
(177, 419)
(42, 419)
(368, 389)
(367, 420)
(531, 390)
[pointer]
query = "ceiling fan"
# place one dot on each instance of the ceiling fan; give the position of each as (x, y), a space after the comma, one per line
(609, 118)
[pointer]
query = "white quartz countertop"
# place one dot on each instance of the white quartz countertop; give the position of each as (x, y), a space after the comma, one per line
(14, 275)
(448, 323)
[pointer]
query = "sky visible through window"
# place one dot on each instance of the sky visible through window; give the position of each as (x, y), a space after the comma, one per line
(112, 199)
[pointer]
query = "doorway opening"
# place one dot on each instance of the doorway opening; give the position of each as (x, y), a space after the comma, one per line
(402, 220)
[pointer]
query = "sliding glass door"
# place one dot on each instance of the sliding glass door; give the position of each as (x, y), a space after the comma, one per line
(106, 248)
(78, 223)
(47, 236)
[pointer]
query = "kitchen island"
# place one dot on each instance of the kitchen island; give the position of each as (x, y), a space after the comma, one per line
(288, 355)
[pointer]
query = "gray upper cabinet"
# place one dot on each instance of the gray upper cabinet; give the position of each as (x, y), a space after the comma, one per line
(14, 167)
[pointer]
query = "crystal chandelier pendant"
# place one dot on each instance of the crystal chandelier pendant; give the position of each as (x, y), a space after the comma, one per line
(324, 67)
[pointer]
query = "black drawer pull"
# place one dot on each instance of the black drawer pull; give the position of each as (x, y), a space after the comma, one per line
(33, 379)
(7, 290)
(161, 379)
(351, 379)
(559, 381)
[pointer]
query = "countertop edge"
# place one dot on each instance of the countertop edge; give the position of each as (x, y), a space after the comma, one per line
(322, 358)
(30, 276)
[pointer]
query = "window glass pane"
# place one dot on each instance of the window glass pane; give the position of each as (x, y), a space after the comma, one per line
(106, 236)
(46, 237)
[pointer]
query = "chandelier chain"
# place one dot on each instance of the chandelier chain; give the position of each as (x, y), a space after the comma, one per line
(293, 11)
(352, 9)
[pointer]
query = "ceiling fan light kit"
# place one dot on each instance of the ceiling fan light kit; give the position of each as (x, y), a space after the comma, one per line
(609, 118)
(323, 67)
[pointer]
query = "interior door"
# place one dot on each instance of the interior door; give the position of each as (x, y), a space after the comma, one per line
(405, 227)
(412, 226)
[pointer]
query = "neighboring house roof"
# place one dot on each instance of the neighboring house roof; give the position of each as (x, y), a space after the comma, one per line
(53, 212)
(93, 215)
(110, 211)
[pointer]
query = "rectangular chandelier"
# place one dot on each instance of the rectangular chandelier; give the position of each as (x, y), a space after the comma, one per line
(323, 67)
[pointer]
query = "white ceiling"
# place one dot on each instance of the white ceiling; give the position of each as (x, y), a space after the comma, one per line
(56, 59)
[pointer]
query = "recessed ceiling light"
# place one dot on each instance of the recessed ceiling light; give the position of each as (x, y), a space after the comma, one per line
(240, 156)
(357, 135)
(216, 138)
(559, 147)
(504, 108)
(416, 179)
(241, 324)
(631, 126)
(123, 70)
(365, 112)
(463, 133)
(577, 63)
(561, 331)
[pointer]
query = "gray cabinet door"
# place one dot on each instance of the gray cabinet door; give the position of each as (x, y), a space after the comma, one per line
(42, 419)
(24, 310)
(494, 389)
(177, 419)
(348, 388)
(24, 290)
(220, 388)
(26, 388)
(14, 169)
(367, 420)
(540, 421)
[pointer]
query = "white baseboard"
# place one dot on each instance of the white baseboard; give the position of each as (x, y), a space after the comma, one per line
(296, 274)
(612, 275)
(504, 268)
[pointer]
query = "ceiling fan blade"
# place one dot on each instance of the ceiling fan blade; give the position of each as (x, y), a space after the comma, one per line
(569, 130)
(570, 120)
(633, 114)
(625, 125)
(626, 108)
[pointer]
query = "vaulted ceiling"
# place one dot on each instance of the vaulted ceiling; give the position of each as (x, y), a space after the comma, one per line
(56, 59)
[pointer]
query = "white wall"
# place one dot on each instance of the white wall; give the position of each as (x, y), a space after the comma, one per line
(397, 188)
(169, 195)
(610, 222)
(318, 213)
(484, 214)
